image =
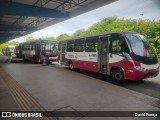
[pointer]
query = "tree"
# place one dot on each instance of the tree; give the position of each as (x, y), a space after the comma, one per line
(79, 33)
(29, 38)
(49, 38)
(63, 37)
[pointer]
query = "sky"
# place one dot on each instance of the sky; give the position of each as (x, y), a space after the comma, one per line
(128, 9)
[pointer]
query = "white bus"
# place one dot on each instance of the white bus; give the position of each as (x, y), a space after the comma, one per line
(9, 50)
(123, 55)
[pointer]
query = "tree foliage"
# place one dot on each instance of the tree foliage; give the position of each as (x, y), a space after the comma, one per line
(29, 38)
(63, 37)
(79, 33)
(49, 38)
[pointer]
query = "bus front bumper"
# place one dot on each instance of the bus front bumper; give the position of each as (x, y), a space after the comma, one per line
(53, 59)
(139, 75)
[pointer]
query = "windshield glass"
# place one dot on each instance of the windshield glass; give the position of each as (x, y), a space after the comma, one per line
(48, 47)
(52, 47)
(140, 45)
(11, 49)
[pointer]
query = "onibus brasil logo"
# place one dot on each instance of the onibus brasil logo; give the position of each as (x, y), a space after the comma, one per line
(21, 114)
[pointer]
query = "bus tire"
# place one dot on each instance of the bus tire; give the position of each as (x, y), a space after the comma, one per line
(71, 66)
(118, 75)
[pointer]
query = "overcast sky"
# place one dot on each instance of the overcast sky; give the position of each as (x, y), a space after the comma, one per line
(122, 9)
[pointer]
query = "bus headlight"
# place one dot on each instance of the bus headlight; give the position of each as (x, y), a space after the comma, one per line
(138, 67)
(143, 69)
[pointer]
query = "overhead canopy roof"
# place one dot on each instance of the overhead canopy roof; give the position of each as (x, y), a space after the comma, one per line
(21, 17)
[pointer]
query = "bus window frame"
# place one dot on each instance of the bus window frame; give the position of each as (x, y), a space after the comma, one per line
(123, 43)
(91, 40)
(79, 47)
(68, 48)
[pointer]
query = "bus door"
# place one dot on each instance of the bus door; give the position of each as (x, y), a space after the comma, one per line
(62, 47)
(103, 59)
(37, 48)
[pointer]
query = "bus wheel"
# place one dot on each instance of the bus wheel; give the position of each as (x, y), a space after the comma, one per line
(71, 67)
(118, 75)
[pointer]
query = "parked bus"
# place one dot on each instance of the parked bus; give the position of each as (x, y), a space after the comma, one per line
(8, 50)
(123, 55)
(36, 50)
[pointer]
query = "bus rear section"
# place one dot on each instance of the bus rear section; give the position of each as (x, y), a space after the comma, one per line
(39, 50)
(111, 54)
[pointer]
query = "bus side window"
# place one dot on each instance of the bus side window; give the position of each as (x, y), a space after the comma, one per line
(42, 47)
(33, 46)
(70, 46)
(91, 44)
(116, 48)
(118, 45)
(116, 41)
(30, 47)
(26, 47)
(79, 45)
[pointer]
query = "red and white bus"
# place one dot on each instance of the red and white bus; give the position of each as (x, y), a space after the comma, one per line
(37, 50)
(123, 55)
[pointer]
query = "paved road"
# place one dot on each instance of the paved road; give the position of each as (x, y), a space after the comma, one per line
(57, 88)
(150, 87)
(3, 59)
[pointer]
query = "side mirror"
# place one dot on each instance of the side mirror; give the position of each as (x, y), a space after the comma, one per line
(126, 55)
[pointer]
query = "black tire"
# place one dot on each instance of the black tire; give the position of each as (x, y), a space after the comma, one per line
(118, 75)
(71, 66)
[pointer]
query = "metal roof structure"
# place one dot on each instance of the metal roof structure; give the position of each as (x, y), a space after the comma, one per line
(21, 17)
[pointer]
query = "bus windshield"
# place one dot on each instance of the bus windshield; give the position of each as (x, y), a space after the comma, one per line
(142, 49)
(48, 47)
(140, 45)
(53, 48)
(11, 49)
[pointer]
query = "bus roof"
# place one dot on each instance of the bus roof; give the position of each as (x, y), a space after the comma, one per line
(39, 41)
(101, 34)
